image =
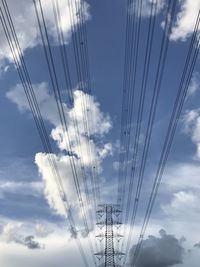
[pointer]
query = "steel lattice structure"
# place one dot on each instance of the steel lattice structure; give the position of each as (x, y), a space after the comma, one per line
(106, 220)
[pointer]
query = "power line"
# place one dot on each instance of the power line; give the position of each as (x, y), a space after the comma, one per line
(64, 58)
(26, 83)
(131, 55)
(80, 47)
(56, 90)
(157, 86)
(147, 57)
(177, 109)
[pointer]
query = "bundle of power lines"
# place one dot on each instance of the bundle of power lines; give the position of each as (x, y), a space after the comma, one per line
(129, 203)
(80, 47)
(128, 158)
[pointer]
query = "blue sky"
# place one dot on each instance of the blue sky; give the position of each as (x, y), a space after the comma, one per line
(30, 204)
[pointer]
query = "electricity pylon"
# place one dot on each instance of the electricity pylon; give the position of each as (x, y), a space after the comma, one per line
(107, 219)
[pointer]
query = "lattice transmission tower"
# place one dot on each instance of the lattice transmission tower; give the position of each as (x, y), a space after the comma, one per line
(107, 221)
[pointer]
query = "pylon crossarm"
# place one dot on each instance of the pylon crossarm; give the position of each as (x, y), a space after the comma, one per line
(109, 254)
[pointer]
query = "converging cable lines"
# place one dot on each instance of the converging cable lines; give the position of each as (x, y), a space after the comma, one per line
(131, 55)
(148, 50)
(64, 58)
(174, 119)
(57, 94)
(80, 47)
(18, 58)
(157, 86)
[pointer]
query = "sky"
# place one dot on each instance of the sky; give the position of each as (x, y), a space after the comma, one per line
(35, 227)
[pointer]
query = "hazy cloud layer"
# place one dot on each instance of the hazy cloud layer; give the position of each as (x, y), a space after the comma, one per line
(183, 204)
(19, 234)
(197, 245)
(56, 245)
(22, 188)
(179, 203)
(182, 176)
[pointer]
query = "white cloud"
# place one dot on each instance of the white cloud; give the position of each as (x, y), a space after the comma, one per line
(106, 150)
(58, 246)
(46, 102)
(24, 19)
(19, 233)
(194, 85)
(51, 190)
(185, 20)
(12, 230)
(99, 123)
(179, 202)
(181, 184)
(82, 140)
(29, 188)
(43, 230)
(185, 17)
(181, 215)
(182, 203)
(183, 176)
(146, 7)
(192, 127)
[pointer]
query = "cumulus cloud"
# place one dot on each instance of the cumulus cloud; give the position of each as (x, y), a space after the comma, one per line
(191, 122)
(146, 7)
(185, 19)
(163, 251)
(98, 125)
(51, 189)
(81, 143)
(15, 232)
(194, 85)
(24, 19)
